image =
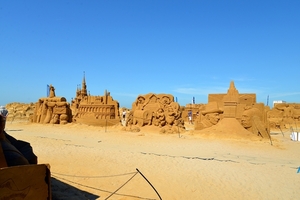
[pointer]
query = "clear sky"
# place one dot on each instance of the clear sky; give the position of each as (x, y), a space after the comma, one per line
(130, 47)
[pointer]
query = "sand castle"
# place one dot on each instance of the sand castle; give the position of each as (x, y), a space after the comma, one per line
(94, 110)
(158, 110)
(52, 109)
(234, 108)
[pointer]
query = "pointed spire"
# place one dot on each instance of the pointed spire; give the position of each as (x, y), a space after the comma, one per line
(232, 93)
(83, 89)
(231, 85)
(83, 81)
(232, 90)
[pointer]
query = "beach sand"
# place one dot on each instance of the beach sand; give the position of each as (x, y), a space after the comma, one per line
(89, 162)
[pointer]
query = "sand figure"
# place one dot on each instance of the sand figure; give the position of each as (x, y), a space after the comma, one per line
(159, 118)
(129, 120)
(63, 118)
(287, 111)
(140, 103)
(51, 91)
(156, 110)
(170, 116)
(252, 121)
(47, 108)
(173, 121)
(209, 120)
(49, 111)
(165, 101)
(179, 122)
(55, 119)
(210, 116)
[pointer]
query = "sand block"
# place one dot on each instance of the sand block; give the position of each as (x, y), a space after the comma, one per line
(25, 182)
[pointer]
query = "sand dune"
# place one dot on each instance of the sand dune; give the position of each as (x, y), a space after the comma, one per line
(100, 163)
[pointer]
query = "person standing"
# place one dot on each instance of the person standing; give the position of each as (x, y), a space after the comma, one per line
(190, 116)
(124, 115)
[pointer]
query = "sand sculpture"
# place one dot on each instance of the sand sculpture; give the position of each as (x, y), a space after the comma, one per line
(94, 110)
(234, 108)
(20, 111)
(52, 109)
(157, 110)
(252, 120)
(210, 116)
(284, 116)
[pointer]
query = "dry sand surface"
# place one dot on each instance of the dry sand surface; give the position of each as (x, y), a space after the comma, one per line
(90, 162)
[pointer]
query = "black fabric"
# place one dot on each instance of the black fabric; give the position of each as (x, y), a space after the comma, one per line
(23, 147)
(12, 155)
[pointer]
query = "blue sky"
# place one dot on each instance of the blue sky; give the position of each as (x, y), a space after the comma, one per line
(132, 47)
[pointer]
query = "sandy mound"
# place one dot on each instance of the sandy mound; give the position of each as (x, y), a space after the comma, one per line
(227, 128)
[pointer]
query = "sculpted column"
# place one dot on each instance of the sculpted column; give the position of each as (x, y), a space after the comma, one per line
(231, 99)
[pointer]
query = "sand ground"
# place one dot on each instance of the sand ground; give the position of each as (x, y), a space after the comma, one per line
(90, 162)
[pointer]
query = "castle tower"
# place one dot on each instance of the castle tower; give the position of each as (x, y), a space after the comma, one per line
(231, 99)
(83, 89)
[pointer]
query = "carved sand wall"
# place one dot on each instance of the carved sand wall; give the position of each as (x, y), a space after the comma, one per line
(284, 116)
(209, 115)
(52, 109)
(20, 111)
(156, 110)
(94, 110)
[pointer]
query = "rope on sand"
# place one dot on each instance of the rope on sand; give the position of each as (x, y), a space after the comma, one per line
(121, 186)
(112, 193)
(109, 176)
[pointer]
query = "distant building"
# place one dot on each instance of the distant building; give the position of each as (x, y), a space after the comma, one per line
(279, 101)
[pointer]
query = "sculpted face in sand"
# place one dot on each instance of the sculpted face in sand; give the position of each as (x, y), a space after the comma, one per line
(246, 119)
(210, 116)
(209, 120)
(140, 102)
(249, 117)
(213, 118)
(252, 121)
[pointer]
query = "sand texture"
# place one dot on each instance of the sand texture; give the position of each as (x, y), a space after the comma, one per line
(89, 162)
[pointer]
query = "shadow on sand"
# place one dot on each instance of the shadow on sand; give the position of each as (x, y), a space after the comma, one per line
(64, 191)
